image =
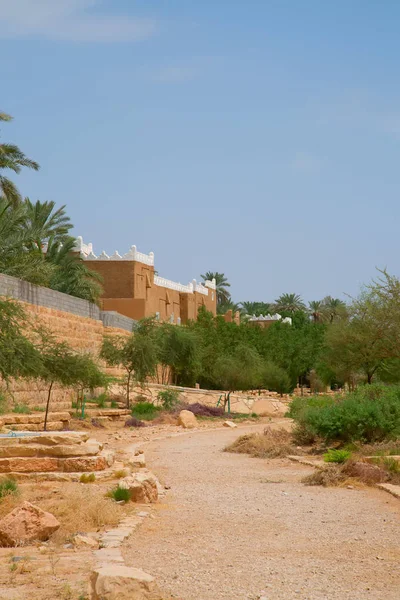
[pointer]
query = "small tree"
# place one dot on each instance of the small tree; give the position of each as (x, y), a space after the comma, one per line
(18, 355)
(136, 354)
(88, 375)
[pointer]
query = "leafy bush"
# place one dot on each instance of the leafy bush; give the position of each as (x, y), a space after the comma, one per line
(8, 487)
(87, 478)
(120, 494)
(169, 398)
(145, 411)
(337, 456)
(370, 414)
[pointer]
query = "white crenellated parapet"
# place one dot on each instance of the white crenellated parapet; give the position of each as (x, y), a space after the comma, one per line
(211, 284)
(269, 317)
(86, 251)
(172, 285)
(201, 289)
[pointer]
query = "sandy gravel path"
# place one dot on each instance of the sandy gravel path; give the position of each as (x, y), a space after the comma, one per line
(238, 528)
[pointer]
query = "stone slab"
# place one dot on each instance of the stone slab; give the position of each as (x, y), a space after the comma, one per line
(37, 450)
(391, 489)
(51, 426)
(28, 465)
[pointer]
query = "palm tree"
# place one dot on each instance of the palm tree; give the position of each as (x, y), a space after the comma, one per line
(333, 308)
(45, 223)
(289, 303)
(15, 259)
(12, 158)
(256, 308)
(71, 274)
(223, 307)
(316, 309)
(221, 282)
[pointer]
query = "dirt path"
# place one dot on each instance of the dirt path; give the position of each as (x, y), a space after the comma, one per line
(238, 528)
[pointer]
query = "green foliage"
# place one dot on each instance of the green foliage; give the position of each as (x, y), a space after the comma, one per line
(369, 414)
(137, 354)
(12, 159)
(22, 409)
(120, 494)
(169, 398)
(275, 378)
(35, 246)
(101, 400)
(337, 456)
(18, 355)
(8, 486)
(221, 282)
(145, 411)
(178, 352)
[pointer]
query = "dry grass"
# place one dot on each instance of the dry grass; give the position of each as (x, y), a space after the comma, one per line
(330, 475)
(79, 508)
(273, 443)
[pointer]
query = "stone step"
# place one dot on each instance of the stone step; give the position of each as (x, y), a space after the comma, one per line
(45, 439)
(85, 464)
(51, 426)
(12, 419)
(37, 450)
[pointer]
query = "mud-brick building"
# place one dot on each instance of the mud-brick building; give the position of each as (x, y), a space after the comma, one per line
(132, 288)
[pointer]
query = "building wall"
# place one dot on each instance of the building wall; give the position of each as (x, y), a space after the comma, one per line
(130, 289)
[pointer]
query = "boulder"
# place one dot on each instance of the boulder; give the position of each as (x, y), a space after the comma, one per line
(142, 487)
(28, 465)
(117, 582)
(230, 424)
(187, 419)
(26, 524)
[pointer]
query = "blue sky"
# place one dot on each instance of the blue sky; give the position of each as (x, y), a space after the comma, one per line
(259, 138)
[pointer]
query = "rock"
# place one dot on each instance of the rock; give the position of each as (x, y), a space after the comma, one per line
(25, 524)
(117, 582)
(137, 461)
(230, 424)
(142, 487)
(139, 451)
(83, 464)
(83, 541)
(187, 419)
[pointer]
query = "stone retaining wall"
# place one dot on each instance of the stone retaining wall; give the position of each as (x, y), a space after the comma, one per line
(77, 322)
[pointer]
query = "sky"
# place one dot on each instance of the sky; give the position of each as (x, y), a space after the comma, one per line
(258, 138)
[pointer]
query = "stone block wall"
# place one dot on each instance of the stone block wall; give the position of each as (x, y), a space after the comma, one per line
(77, 322)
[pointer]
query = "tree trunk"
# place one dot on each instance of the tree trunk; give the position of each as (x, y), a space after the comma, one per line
(47, 406)
(369, 378)
(128, 385)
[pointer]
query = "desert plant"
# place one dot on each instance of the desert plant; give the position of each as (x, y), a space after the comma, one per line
(8, 486)
(87, 478)
(119, 494)
(337, 456)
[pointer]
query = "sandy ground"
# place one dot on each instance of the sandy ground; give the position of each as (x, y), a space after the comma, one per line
(238, 528)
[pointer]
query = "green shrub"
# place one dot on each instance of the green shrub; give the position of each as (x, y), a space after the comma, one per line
(8, 487)
(145, 411)
(3, 404)
(120, 495)
(114, 404)
(370, 414)
(87, 478)
(169, 398)
(22, 409)
(337, 456)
